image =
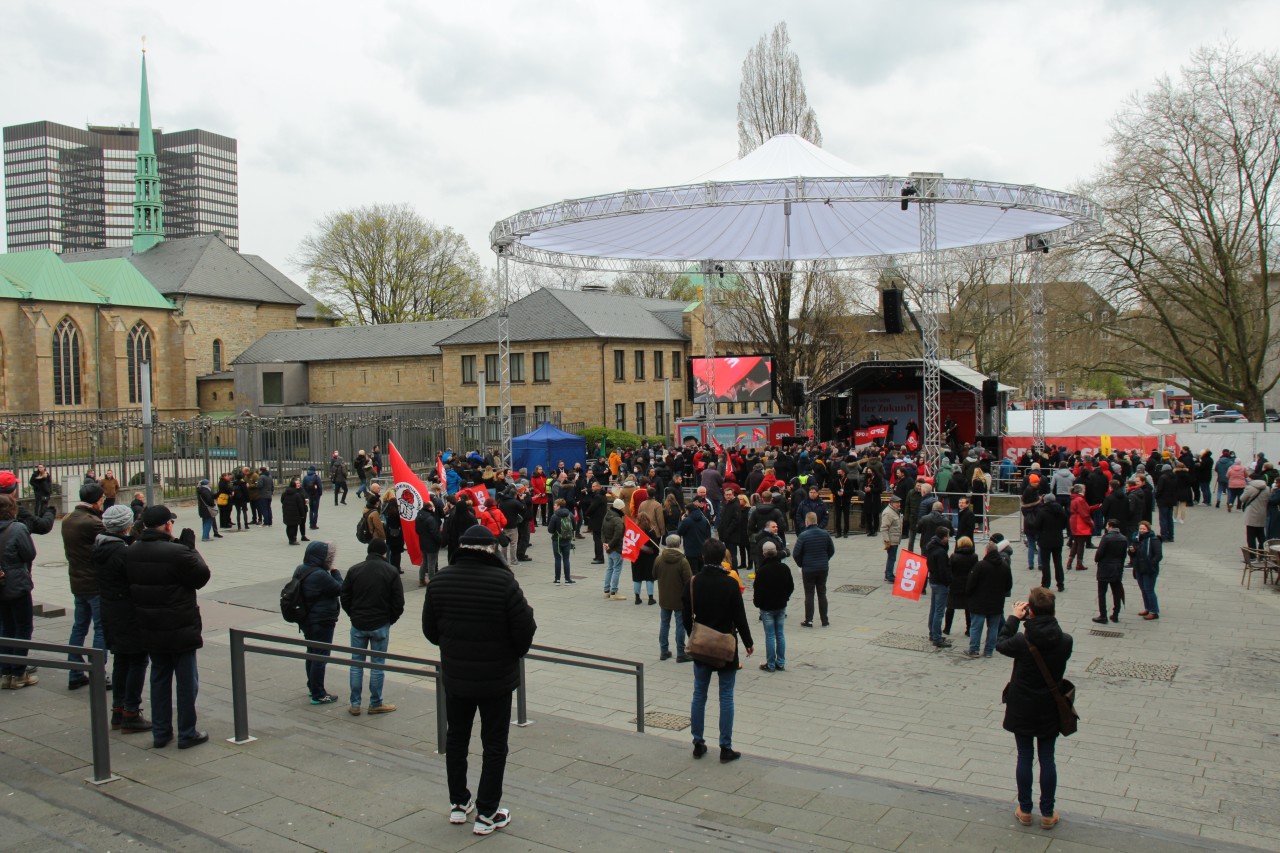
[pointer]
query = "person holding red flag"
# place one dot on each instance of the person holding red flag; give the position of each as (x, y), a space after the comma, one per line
(639, 549)
(412, 497)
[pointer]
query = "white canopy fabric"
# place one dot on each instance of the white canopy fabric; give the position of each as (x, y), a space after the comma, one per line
(1125, 422)
(786, 200)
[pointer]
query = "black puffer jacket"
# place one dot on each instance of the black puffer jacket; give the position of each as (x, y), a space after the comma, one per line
(475, 611)
(989, 584)
(1029, 707)
(935, 554)
(119, 620)
(962, 562)
(164, 575)
(712, 599)
(1113, 551)
(322, 585)
(293, 506)
(19, 552)
(372, 594)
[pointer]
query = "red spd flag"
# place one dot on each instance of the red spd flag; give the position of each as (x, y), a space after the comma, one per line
(479, 496)
(412, 496)
(444, 480)
(632, 541)
(910, 575)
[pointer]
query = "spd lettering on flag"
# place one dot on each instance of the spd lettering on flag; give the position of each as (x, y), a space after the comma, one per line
(632, 541)
(910, 575)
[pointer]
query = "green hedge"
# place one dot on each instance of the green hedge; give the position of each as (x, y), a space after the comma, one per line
(616, 438)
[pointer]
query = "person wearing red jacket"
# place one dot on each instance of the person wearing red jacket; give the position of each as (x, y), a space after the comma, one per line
(540, 501)
(1080, 525)
(491, 517)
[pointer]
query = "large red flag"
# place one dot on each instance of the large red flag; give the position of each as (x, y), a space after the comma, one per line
(728, 463)
(632, 541)
(479, 496)
(444, 480)
(413, 498)
(908, 580)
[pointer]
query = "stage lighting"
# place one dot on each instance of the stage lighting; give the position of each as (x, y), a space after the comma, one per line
(907, 191)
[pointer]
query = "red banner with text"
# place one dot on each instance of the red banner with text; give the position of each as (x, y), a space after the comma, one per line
(910, 575)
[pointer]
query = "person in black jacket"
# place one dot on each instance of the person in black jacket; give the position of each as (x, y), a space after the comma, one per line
(963, 559)
(1113, 550)
(37, 524)
(293, 511)
(1166, 497)
(390, 510)
(525, 499)
(164, 574)
(42, 487)
(321, 585)
(712, 599)
(966, 522)
(939, 583)
(1052, 520)
(1030, 711)
(430, 538)
(597, 506)
(18, 552)
(989, 584)
(475, 611)
(119, 621)
(374, 600)
(773, 588)
(206, 506)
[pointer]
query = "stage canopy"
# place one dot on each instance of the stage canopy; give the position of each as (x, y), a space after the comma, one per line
(874, 375)
(1088, 422)
(787, 200)
(548, 446)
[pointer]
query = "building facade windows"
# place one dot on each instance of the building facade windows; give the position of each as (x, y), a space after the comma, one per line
(217, 355)
(620, 416)
(619, 365)
(273, 388)
(66, 364)
(468, 370)
(517, 366)
(675, 365)
(657, 365)
(138, 350)
(542, 367)
(639, 365)
(659, 417)
(640, 419)
(491, 369)
(541, 414)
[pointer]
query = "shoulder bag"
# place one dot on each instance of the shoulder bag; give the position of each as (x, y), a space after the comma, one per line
(707, 645)
(1064, 694)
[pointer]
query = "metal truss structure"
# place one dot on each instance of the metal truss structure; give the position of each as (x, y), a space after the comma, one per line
(504, 356)
(709, 333)
(932, 305)
(1037, 245)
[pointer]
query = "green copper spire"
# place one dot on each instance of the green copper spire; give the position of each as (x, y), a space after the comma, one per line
(148, 209)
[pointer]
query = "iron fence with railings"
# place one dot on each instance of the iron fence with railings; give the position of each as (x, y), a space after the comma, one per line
(188, 449)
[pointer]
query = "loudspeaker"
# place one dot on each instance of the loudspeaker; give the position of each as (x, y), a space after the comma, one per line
(891, 308)
(797, 394)
(990, 394)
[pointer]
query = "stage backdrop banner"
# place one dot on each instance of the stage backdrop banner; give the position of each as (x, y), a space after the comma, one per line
(902, 406)
(962, 407)
(910, 575)
(1015, 445)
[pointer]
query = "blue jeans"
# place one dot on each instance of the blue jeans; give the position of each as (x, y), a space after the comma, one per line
(1099, 523)
(1219, 492)
(561, 552)
(264, 510)
(937, 609)
(636, 585)
(1028, 746)
(375, 640)
(164, 669)
(1147, 586)
(86, 610)
(890, 563)
(1166, 523)
(314, 507)
(698, 710)
(612, 571)
(208, 528)
(1032, 547)
(993, 622)
(775, 641)
(1204, 493)
(317, 633)
(664, 630)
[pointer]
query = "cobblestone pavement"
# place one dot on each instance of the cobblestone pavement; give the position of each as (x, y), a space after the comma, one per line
(860, 744)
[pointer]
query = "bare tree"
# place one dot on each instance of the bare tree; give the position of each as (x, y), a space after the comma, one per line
(653, 282)
(386, 264)
(771, 98)
(1190, 197)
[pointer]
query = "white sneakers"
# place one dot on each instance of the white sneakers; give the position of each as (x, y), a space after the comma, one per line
(458, 814)
(486, 825)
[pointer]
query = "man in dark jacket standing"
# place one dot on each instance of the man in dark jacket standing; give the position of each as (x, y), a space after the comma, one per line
(712, 599)
(672, 573)
(321, 586)
(1052, 520)
(694, 531)
(1113, 550)
(597, 506)
(430, 538)
(80, 530)
(119, 621)
(990, 583)
(773, 588)
(1030, 711)
(931, 522)
(266, 494)
(164, 574)
(477, 614)
(813, 552)
(939, 562)
(374, 600)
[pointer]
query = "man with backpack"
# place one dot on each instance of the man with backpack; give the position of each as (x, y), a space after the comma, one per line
(374, 600)
(310, 600)
(560, 526)
(611, 530)
(338, 476)
(370, 526)
(313, 489)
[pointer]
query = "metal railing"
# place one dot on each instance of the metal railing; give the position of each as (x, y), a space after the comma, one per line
(240, 695)
(556, 655)
(96, 666)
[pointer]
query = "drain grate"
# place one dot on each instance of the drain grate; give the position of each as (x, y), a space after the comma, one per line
(857, 588)
(1097, 632)
(664, 720)
(1132, 669)
(910, 642)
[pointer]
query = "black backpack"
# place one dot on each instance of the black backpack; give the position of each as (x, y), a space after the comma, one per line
(363, 534)
(293, 604)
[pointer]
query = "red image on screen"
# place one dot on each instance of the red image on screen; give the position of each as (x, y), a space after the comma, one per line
(733, 379)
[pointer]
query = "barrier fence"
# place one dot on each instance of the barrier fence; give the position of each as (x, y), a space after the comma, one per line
(555, 655)
(96, 667)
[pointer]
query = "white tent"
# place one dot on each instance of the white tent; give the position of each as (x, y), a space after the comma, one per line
(1117, 422)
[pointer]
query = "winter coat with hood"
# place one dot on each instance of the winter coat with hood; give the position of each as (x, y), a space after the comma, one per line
(205, 503)
(612, 528)
(1061, 482)
(322, 584)
(672, 573)
(164, 575)
(1116, 506)
(650, 517)
(1237, 476)
(80, 531)
(939, 562)
(1081, 517)
(1052, 521)
(1254, 501)
(1030, 708)
(293, 505)
(989, 584)
(119, 617)
(1147, 553)
(1112, 551)
(773, 586)
(963, 560)
(19, 553)
(695, 530)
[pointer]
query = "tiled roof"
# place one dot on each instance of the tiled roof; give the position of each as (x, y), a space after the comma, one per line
(392, 340)
(549, 314)
(310, 308)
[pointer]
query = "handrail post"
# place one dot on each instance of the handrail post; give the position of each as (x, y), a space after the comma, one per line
(522, 700)
(442, 714)
(239, 693)
(640, 697)
(99, 736)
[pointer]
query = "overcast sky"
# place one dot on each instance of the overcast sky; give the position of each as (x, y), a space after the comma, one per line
(473, 111)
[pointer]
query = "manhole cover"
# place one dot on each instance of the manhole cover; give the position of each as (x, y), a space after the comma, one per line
(53, 564)
(1099, 633)
(1132, 669)
(664, 720)
(857, 588)
(911, 642)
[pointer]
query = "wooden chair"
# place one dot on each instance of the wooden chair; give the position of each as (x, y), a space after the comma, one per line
(1271, 550)
(1255, 561)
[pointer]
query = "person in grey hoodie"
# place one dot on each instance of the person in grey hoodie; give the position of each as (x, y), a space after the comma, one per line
(1060, 485)
(266, 491)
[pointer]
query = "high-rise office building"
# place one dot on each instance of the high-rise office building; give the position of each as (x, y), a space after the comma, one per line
(69, 189)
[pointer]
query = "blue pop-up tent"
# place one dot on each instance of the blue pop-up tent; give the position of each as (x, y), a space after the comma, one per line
(548, 446)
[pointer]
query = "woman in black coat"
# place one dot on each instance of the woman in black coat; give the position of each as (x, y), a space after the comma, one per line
(1184, 491)
(962, 562)
(730, 522)
(1030, 711)
(120, 622)
(224, 504)
(240, 500)
(990, 583)
(293, 510)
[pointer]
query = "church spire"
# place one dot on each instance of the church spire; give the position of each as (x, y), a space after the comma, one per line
(148, 209)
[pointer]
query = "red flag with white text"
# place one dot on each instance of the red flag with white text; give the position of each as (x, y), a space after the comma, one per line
(910, 575)
(633, 538)
(412, 496)
(728, 463)
(479, 496)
